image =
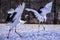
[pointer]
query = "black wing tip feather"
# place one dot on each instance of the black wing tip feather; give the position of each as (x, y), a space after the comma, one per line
(10, 19)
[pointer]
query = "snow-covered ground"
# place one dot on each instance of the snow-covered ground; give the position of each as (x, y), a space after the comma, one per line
(31, 32)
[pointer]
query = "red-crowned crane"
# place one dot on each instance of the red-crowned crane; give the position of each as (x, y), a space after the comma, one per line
(41, 17)
(17, 18)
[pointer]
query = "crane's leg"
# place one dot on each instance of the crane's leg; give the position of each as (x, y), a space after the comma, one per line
(9, 33)
(17, 33)
(43, 27)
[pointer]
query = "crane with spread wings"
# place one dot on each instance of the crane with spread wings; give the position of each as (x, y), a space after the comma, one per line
(17, 18)
(41, 17)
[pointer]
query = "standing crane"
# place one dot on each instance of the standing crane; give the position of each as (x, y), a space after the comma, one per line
(17, 18)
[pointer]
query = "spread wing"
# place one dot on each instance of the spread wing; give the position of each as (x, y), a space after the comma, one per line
(46, 9)
(38, 16)
(19, 10)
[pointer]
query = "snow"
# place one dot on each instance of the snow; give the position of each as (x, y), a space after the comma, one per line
(31, 32)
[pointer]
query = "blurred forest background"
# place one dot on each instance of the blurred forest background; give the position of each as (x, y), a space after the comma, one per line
(52, 18)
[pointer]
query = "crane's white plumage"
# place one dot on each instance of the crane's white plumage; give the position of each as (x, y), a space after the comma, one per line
(39, 17)
(19, 11)
(17, 19)
(42, 17)
(46, 9)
